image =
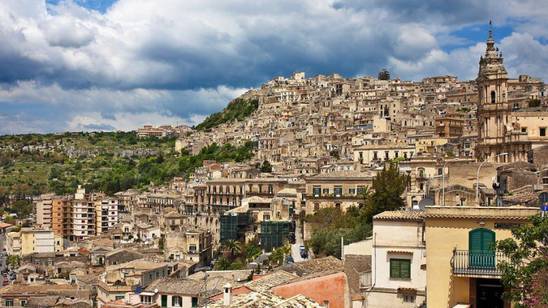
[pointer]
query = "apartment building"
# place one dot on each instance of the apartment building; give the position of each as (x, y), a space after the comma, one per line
(383, 152)
(43, 210)
(28, 241)
(83, 219)
(59, 216)
(106, 214)
(341, 189)
(228, 192)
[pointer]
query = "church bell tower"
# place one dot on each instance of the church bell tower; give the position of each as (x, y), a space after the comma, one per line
(497, 141)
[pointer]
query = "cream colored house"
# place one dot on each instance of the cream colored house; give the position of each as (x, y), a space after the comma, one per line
(377, 153)
(341, 189)
(398, 260)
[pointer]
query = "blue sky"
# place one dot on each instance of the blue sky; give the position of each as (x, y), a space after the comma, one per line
(104, 64)
(98, 5)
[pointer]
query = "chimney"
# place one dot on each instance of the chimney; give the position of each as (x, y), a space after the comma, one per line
(227, 294)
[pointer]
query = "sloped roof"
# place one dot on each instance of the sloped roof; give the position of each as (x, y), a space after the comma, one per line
(413, 215)
(315, 266)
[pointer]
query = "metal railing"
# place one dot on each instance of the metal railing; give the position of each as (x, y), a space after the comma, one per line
(477, 263)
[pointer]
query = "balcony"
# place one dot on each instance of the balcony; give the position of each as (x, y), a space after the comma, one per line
(480, 264)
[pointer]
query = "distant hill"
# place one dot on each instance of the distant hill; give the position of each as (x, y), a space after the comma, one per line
(237, 110)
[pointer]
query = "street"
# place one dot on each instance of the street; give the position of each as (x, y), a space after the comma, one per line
(295, 248)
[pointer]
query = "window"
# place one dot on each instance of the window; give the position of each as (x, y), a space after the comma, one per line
(325, 191)
(146, 299)
(400, 268)
(119, 297)
(24, 302)
(194, 302)
(8, 302)
(409, 298)
(338, 191)
(352, 191)
(317, 191)
(542, 131)
(493, 96)
(524, 129)
(176, 301)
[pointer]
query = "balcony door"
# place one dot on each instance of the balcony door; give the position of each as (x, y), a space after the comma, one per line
(481, 244)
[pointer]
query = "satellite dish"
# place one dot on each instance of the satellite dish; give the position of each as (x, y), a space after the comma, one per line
(138, 289)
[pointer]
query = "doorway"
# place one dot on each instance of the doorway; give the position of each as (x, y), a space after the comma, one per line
(489, 293)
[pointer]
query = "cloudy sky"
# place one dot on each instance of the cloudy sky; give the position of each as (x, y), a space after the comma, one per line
(106, 64)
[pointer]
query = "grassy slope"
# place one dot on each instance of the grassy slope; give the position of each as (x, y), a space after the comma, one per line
(238, 109)
(26, 174)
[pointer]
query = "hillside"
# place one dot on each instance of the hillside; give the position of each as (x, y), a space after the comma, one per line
(106, 161)
(237, 110)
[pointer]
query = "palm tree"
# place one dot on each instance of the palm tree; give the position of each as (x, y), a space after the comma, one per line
(278, 254)
(233, 247)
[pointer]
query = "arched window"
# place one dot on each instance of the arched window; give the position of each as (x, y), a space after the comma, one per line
(493, 96)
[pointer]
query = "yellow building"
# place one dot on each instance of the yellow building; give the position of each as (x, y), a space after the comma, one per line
(461, 261)
(29, 241)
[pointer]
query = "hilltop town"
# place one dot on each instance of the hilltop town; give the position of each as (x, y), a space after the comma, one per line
(319, 191)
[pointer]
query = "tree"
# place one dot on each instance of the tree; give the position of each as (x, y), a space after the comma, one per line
(23, 208)
(14, 261)
(277, 256)
(355, 224)
(525, 273)
(233, 247)
(251, 252)
(388, 186)
(222, 264)
(266, 167)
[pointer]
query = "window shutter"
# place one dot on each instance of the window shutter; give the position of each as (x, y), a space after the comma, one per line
(488, 240)
(475, 240)
(394, 268)
(405, 269)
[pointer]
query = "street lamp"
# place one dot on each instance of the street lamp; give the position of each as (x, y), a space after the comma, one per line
(477, 175)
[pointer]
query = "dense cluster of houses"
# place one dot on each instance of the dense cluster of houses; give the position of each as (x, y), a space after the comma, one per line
(475, 152)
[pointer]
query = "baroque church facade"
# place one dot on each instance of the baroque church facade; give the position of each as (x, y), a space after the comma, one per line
(500, 138)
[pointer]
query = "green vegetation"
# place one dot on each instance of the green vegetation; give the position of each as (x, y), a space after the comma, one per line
(266, 167)
(23, 208)
(238, 109)
(236, 255)
(330, 224)
(108, 162)
(277, 256)
(525, 274)
(14, 261)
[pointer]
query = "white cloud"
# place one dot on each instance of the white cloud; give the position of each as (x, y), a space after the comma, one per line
(185, 59)
(120, 121)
